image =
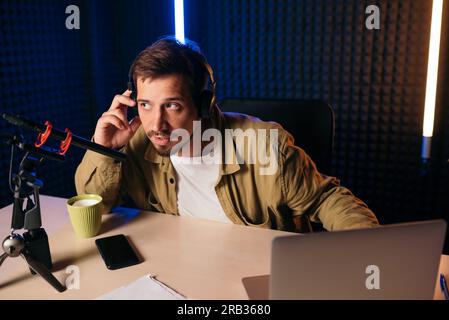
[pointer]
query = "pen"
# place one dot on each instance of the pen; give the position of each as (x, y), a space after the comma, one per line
(443, 286)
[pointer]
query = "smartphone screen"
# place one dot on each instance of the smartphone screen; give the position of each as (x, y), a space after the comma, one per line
(116, 252)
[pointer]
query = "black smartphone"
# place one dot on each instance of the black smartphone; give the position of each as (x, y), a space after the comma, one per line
(117, 252)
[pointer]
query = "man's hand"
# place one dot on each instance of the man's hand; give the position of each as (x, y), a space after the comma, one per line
(113, 129)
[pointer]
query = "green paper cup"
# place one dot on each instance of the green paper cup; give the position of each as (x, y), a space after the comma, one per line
(85, 213)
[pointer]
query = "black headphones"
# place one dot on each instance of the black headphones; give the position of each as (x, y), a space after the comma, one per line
(205, 100)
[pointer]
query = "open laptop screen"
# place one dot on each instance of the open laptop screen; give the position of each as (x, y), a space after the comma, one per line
(390, 262)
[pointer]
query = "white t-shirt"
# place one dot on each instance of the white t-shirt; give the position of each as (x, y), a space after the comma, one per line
(197, 177)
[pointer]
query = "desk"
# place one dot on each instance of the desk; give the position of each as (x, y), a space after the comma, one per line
(198, 258)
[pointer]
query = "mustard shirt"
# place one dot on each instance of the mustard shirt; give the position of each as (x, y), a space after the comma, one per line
(295, 190)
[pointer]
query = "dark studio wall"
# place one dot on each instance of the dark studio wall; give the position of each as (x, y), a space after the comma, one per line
(374, 80)
(310, 49)
(69, 77)
(44, 75)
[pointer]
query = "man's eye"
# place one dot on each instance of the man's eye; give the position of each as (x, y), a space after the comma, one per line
(172, 105)
(145, 105)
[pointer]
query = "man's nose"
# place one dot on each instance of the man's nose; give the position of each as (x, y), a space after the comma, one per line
(159, 123)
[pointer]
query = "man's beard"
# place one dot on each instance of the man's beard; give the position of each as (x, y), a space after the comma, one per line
(164, 151)
(172, 147)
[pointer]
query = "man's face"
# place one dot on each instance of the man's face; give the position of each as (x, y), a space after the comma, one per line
(165, 104)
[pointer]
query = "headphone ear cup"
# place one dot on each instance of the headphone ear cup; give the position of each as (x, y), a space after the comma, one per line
(133, 91)
(132, 112)
(134, 96)
(205, 102)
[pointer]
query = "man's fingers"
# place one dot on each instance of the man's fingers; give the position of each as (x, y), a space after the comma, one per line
(119, 114)
(127, 93)
(135, 123)
(121, 100)
(108, 119)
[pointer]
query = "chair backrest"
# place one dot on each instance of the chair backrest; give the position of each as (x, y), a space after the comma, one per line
(311, 122)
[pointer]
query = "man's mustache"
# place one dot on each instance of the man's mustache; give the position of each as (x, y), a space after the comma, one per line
(161, 134)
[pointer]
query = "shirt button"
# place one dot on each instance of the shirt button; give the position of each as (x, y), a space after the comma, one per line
(172, 180)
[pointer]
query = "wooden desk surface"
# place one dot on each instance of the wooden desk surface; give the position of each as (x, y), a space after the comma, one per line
(198, 258)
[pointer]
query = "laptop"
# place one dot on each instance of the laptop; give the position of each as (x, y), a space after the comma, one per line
(398, 261)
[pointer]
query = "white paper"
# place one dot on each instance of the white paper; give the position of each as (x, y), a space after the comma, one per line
(145, 288)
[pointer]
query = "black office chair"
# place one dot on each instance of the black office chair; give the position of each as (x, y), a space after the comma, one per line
(311, 122)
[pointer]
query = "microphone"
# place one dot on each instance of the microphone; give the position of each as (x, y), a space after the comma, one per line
(61, 135)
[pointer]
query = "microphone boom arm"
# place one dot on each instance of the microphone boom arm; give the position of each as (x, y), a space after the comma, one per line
(61, 135)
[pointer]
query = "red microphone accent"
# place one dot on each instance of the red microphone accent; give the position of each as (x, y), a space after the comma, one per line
(42, 137)
(65, 144)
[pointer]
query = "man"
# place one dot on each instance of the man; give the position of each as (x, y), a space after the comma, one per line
(231, 168)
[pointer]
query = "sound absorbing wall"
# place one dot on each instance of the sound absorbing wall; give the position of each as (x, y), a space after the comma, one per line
(48, 72)
(374, 79)
(291, 49)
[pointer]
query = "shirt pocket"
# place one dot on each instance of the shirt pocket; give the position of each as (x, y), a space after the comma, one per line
(260, 220)
(153, 201)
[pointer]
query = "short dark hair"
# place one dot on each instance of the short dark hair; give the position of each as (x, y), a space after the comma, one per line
(169, 56)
